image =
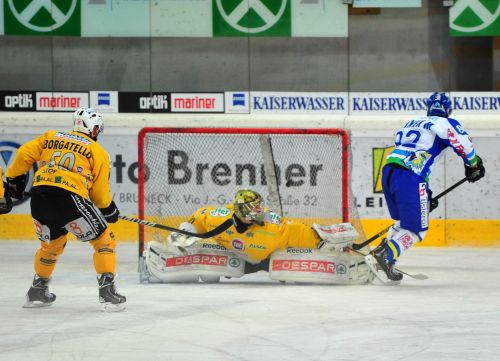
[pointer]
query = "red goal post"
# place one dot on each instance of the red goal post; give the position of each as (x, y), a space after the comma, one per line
(183, 169)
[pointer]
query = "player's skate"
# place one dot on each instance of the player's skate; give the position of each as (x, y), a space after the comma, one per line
(38, 295)
(378, 262)
(112, 301)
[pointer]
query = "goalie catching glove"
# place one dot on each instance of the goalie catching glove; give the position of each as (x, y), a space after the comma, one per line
(182, 241)
(336, 237)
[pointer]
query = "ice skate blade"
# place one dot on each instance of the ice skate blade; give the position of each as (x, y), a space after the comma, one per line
(31, 304)
(112, 307)
(380, 276)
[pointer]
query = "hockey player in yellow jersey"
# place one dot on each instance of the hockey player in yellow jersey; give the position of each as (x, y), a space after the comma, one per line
(5, 200)
(251, 238)
(70, 193)
(255, 233)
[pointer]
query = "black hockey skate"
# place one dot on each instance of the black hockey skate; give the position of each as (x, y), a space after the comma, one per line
(112, 301)
(38, 295)
(379, 263)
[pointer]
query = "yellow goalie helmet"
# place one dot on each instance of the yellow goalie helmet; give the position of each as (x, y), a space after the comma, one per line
(249, 206)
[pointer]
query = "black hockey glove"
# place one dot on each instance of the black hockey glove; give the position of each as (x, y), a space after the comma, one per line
(475, 173)
(110, 213)
(5, 202)
(16, 186)
(433, 203)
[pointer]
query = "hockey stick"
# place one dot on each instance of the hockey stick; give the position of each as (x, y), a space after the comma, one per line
(417, 276)
(358, 246)
(217, 230)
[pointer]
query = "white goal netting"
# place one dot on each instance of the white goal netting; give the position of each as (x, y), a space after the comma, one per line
(304, 174)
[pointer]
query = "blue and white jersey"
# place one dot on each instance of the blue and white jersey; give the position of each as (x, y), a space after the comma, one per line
(420, 143)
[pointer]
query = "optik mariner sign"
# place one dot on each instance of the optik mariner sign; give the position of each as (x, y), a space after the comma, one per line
(475, 18)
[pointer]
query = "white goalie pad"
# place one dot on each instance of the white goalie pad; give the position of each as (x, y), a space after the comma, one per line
(310, 265)
(336, 237)
(206, 260)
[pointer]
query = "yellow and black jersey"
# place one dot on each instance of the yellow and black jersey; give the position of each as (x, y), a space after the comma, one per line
(68, 160)
(2, 190)
(255, 243)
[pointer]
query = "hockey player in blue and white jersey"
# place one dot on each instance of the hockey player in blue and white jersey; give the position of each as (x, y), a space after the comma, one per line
(405, 180)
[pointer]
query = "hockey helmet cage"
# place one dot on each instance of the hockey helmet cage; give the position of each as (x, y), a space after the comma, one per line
(249, 206)
(88, 121)
(439, 105)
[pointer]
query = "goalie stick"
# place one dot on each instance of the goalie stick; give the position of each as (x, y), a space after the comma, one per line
(217, 230)
(358, 246)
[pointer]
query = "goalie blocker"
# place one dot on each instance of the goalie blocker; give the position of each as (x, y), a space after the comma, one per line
(208, 261)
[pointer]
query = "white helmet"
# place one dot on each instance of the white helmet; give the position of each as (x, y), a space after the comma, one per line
(88, 121)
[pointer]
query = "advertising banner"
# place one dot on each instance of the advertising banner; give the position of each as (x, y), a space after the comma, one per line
(20, 101)
(104, 101)
(237, 102)
(198, 102)
(280, 18)
(116, 17)
(175, 18)
(475, 18)
(297, 103)
(61, 101)
(42, 17)
(387, 3)
(319, 18)
(144, 102)
(415, 103)
(368, 159)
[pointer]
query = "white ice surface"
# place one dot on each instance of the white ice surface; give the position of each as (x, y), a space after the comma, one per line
(454, 315)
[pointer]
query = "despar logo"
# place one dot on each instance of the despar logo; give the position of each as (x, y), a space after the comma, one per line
(251, 18)
(143, 102)
(42, 17)
(198, 102)
(65, 102)
(475, 18)
(8, 151)
(17, 101)
(104, 101)
(237, 102)
(379, 160)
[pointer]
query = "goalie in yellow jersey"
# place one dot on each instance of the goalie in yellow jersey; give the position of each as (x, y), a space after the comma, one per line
(70, 193)
(255, 239)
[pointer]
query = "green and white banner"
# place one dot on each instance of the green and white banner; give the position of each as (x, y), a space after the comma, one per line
(387, 3)
(175, 18)
(475, 18)
(42, 17)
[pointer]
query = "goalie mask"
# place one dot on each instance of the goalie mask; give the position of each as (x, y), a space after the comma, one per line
(439, 105)
(88, 121)
(249, 206)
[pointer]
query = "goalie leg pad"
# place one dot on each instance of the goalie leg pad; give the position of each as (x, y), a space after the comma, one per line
(336, 237)
(198, 262)
(318, 267)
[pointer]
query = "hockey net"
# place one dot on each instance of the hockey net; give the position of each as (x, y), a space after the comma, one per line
(304, 174)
